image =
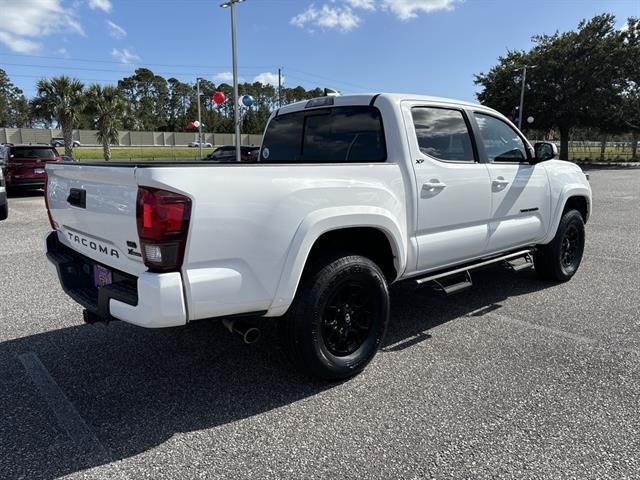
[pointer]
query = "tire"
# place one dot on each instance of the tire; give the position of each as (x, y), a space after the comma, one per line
(559, 260)
(322, 334)
(4, 211)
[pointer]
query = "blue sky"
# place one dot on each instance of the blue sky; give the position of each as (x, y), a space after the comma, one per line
(420, 46)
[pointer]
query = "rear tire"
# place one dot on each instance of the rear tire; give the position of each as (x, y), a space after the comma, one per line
(559, 260)
(4, 211)
(338, 318)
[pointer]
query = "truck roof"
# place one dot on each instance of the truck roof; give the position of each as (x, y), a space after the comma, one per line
(366, 98)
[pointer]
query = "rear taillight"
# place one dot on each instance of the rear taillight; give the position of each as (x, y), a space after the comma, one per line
(58, 158)
(46, 200)
(163, 223)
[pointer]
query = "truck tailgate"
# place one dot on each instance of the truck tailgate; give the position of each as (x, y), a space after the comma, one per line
(94, 210)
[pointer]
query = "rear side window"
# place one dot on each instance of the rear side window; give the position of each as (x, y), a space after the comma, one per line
(331, 135)
(443, 134)
(30, 152)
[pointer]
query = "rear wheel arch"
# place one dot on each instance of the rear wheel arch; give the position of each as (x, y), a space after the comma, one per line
(368, 242)
(324, 229)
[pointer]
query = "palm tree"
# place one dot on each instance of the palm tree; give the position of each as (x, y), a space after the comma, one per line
(107, 106)
(61, 98)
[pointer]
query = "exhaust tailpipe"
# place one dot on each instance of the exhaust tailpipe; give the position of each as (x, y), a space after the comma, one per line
(249, 334)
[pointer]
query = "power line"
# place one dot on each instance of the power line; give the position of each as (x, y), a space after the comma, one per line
(87, 60)
(307, 77)
(86, 69)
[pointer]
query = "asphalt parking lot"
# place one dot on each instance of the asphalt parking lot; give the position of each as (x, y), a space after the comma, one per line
(515, 378)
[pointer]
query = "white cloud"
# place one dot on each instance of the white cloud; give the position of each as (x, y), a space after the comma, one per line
(24, 23)
(225, 77)
(268, 78)
(18, 44)
(104, 5)
(362, 4)
(125, 55)
(327, 17)
(339, 14)
(116, 31)
(406, 9)
(63, 52)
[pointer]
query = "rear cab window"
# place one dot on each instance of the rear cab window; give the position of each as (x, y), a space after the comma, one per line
(443, 134)
(34, 152)
(352, 134)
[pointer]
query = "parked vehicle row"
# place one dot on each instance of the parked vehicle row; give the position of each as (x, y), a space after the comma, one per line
(348, 195)
(23, 166)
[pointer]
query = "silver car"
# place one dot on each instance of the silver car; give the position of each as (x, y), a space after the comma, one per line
(197, 144)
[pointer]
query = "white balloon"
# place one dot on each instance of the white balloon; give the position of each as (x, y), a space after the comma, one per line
(196, 124)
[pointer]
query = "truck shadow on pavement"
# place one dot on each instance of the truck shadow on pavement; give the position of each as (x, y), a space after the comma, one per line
(137, 388)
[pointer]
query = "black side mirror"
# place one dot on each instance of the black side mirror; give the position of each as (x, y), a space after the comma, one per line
(545, 151)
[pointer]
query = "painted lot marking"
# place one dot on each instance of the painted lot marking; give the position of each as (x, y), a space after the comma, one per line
(67, 416)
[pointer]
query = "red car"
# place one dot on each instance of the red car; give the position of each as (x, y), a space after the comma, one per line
(23, 165)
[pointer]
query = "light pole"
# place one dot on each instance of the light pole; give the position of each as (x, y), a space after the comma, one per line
(231, 4)
(199, 119)
(524, 81)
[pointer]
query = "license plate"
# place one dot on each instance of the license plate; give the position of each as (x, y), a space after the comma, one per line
(38, 171)
(101, 276)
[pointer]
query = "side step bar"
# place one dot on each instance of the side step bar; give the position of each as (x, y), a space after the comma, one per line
(467, 268)
(458, 283)
(519, 266)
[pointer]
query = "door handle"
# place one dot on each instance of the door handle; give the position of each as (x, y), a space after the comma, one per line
(500, 182)
(433, 185)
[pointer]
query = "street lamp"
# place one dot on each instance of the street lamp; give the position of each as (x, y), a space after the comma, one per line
(524, 80)
(231, 4)
(199, 119)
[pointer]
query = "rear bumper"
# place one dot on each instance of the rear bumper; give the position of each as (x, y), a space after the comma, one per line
(150, 300)
(14, 182)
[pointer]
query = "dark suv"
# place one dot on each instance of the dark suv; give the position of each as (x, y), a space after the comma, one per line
(248, 153)
(23, 165)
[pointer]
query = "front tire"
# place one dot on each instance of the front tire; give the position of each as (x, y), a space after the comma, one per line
(559, 260)
(338, 319)
(4, 211)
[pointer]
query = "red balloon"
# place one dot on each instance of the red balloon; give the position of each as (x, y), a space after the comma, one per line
(191, 125)
(219, 98)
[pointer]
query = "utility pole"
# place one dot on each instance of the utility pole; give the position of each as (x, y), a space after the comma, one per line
(231, 4)
(279, 87)
(524, 81)
(520, 113)
(199, 119)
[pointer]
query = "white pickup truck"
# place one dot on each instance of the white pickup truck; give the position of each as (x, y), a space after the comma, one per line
(349, 195)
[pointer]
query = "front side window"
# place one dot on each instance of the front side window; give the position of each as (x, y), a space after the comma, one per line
(328, 135)
(501, 142)
(443, 134)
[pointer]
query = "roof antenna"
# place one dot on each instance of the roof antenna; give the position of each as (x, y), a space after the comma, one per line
(330, 92)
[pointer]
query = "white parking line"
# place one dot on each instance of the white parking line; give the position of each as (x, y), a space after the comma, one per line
(67, 416)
